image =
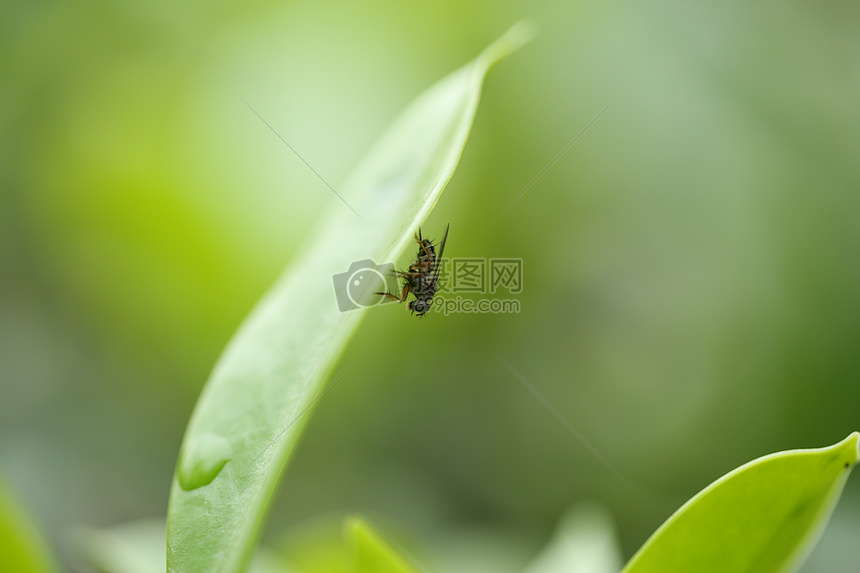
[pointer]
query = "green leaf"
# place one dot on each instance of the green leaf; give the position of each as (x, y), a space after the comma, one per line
(371, 554)
(22, 548)
(242, 431)
(584, 542)
(135, 547)
(138, 547)
(763, 517)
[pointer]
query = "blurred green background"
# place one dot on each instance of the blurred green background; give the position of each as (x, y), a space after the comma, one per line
(691, 280)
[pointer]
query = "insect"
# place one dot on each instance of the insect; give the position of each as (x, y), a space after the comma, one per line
(422, 278)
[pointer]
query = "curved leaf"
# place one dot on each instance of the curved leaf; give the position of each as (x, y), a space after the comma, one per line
(763, 517)
(22, 548)
(138, 547)
(370, 552)
(584, 542)
(242, 432)
(134, 547)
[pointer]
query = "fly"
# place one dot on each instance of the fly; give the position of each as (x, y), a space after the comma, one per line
(422, 278)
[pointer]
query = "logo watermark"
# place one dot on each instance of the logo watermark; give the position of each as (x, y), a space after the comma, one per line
(358, 286)
(460, 305)
(482, 275)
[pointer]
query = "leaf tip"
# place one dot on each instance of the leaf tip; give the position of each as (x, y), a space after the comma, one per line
(851, 447)
(352, 524)
(516, 37)
(521, 33)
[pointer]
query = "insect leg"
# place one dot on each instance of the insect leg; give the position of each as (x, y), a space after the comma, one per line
(407, 288)
(390, 296)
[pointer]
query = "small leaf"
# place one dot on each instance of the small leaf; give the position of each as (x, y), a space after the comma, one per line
(763, 517)
(22, 548)
(585, 542)
(138, 547)
(134, 547)
(249, 416)
(371, 554)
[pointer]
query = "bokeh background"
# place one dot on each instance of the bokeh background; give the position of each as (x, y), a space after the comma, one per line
(691, 280)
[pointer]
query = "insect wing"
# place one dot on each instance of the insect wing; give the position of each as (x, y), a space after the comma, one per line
(438, 261)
